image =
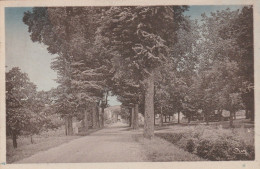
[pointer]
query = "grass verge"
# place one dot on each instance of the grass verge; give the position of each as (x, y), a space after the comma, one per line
(160, 150)
(42, 142)
(212, 142)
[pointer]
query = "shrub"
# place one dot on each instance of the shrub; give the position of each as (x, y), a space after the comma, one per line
(214, 144)
(173, 138)
(203, 148)
(190, 147)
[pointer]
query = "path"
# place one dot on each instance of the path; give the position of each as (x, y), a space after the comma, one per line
(112, 144)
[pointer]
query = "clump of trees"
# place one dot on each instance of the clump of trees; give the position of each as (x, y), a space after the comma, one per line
(155, 59)
(25, 107)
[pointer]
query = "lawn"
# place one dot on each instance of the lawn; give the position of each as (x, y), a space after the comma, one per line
(216, 142)
(42, 142)
(160, 150)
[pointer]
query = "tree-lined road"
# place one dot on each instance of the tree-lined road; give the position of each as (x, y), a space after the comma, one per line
(112, 144)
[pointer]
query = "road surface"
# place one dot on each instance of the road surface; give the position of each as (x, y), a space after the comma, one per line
(112, 144)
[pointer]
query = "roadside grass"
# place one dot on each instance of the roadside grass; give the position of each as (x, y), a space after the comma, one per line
(42, 142)
(212, 142)
(238, 123)
(160, 150)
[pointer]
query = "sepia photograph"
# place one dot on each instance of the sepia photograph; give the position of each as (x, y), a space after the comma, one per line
(129, 83)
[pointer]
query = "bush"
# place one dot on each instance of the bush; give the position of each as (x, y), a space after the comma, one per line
(173, 138)
(225, 149)
(190, 147)
(203, 148)
(214, 144)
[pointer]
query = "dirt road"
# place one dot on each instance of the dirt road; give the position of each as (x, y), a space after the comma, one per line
(112, 144)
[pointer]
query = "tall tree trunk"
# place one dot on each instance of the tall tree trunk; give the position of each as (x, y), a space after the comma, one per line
(94, 120)
(102, 117)
(231, 116)
(97, 117)
(136, 111)
(220, 115)
(154, 122)
(235, 116)
(130, 117)
(207, 117)
(32, 139)
(161, 117)
(149, 107)
(70, 128)
(86, 119)
(165, 119)
(169, 118)
(252, 114)
(179, 117)
(14, 135)
(247, 114)
(66, 126)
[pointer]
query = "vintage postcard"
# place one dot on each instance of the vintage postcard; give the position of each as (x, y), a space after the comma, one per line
(129, 84)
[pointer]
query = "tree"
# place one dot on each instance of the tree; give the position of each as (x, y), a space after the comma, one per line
(241, 28)
(129, 92)
(141, 36)
(40, 114)
(24, 106)
(178, 73)
(80, 74)
(219, 77)
(19, 90)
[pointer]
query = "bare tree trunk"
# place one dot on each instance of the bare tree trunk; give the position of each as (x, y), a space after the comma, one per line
(136, 111)
(70, 129)
(165, 119)
(235, 116)
(169, 118)
(14, 136)
(161, 117)
(179, 117)
(149, 107)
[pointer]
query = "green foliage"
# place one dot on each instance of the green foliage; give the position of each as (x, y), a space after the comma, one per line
(225, 148)
(213, 144)
(81, 74)
(24, 105)
(190, 146)
(204, 67)
(19, 94)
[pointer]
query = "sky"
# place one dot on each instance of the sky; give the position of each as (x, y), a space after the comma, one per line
(34, 59)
